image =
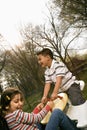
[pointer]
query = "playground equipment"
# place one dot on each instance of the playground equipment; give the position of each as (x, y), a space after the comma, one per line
(78, 113)
(60, 103)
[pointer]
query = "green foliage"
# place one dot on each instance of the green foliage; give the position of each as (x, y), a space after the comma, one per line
(83, 76)
(22, 69)
(33, 99)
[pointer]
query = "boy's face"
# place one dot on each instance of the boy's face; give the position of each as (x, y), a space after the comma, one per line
(43, 60)
(16, 103)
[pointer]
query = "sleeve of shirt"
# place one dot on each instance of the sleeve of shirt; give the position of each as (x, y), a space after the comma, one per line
(36, 110)
(47, 77)
(60, 69)
(28, 118)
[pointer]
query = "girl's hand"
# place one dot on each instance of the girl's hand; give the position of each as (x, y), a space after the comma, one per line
(40, 106)
(51, 104)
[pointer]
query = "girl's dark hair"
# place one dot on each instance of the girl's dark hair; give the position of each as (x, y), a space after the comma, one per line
(3, 124)
(6, 97)
(46, 52)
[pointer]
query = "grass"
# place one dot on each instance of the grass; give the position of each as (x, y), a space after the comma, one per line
(32, 101)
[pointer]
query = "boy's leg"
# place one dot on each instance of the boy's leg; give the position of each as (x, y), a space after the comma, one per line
(78, 107)
(59, 120)
(75, 95)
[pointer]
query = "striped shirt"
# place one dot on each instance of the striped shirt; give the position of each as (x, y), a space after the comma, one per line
(19, 120)
(59, 69)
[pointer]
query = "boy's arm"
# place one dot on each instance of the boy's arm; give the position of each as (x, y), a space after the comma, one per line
(46, 91)
(56, 87)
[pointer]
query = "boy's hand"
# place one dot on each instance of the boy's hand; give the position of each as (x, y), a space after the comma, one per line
(54, 96)
(44, 99)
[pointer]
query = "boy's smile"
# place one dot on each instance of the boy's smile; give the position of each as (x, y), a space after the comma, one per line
(44, 61)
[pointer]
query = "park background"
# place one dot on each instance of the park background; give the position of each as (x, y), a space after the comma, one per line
(64, 32)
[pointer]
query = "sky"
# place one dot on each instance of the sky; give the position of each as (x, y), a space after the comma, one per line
(14, 13)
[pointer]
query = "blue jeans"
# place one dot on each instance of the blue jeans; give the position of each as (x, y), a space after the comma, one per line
(59, 121)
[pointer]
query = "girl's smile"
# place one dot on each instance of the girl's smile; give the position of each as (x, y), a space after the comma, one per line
(16, 103)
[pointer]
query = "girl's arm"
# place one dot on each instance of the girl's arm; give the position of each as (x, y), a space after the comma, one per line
(29, 118)
(38, 108)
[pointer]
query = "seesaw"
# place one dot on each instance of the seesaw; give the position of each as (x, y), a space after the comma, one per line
(60, 103)
(74, 112)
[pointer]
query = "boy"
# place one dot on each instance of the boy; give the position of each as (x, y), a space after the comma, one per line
(64, 81)
(57, 73)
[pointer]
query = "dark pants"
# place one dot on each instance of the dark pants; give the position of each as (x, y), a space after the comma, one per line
(75, 95)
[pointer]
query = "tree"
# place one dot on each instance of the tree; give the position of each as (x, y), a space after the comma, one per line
(73, 11)
(22, 69)
(53, 37)
(2, 54)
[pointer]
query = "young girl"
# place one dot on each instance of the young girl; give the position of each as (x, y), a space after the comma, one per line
(11, 109)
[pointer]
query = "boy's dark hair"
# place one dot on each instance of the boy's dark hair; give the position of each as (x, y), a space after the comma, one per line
(46, 52)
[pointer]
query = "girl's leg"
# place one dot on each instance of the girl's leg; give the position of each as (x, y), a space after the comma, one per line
(59, 120)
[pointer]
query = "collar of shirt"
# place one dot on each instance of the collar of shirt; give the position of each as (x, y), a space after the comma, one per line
(52, 64)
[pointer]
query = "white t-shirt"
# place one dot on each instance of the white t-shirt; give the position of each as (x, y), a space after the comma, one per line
(59, 69)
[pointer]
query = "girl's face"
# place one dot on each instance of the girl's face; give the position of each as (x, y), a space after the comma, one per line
(16, 103)
(43, 60)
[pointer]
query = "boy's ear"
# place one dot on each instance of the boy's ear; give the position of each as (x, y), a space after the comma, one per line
(48, 56)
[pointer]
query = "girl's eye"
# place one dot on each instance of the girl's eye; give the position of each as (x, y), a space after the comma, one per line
(16, 101)
(22, 99)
